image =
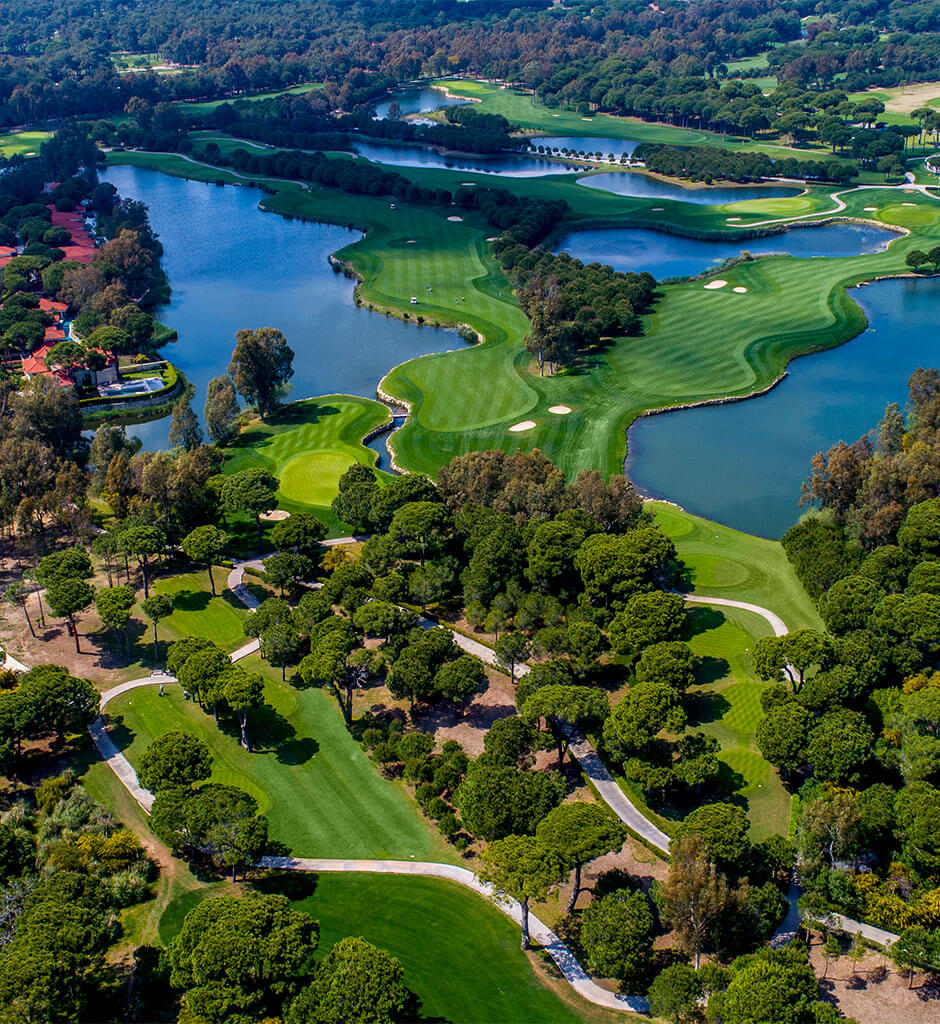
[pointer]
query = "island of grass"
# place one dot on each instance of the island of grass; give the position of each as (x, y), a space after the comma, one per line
(308, 445)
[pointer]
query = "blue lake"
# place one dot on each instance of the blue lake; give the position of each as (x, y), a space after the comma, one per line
(743, 464)
(231, 266)
(590, 144)
(509, 165)
(673, 256)
(418, 101)
(633, 183)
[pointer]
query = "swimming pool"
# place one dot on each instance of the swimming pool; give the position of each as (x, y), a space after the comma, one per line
(143, 386)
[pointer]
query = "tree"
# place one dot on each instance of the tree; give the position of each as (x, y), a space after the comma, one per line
(459, 679)
(675, 993)
(511, 649)
(261, 365)
(52, 699)
(670, 662)
(353, 503)
(67, 597)
(782, 734)
(829, 826)
(578, 832)
(201, 671)
(839, 747)
(647, 709)
(241, 957)
(857, 951)
(617, 935)
(647, 619)
(243, 691)
(509, 741)
(566, 708)
(221, 410)
(420, 528)
(801, 650)
(252, 491)
(157, 607)
(722, 829)
(114, 608)
(521, 868)
(64, 564)
(302, 533)
(287, 569)
(694, 895)
(356, 983)
(916, 259)
(143, 542)
(916, 947)
(184, 426)
(204, 545)
(498, 800)
(832, 950)
(17, 593)
(175, 759)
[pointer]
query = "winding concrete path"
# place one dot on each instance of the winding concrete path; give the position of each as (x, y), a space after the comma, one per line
(543, 935)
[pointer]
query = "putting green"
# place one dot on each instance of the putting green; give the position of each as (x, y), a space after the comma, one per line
(313, 478)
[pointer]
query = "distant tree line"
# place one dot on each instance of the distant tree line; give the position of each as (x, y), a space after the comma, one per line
(710, 163)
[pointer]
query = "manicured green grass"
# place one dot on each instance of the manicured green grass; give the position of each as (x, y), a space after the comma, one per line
(460, 955)
(322, 796)
(730, 564)
(204, 108)
(308, 445)
(14, 143)
(197, 613)
(523, 109)
(726, 705)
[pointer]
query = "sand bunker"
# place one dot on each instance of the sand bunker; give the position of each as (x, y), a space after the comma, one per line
(560, 410)
(468, 184)
(455, 219)
(657, 209)
(908, 204)
(276, 515)
(740, 290)
(712, 285)
(871, 209)
(517, 428)
(411, 241)
(731, 220)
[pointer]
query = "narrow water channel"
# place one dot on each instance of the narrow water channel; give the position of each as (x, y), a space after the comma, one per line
(231, 266)
(742, 464)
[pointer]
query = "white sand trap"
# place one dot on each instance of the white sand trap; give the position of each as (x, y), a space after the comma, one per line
(657, 209)
(740, 290)
(493, 238)
(456, 220)
(411, 241)
(713, 285)
(468, 184)
(517, 428)
(908, 204)
(276, 515)
(560, 410)
(871, 209)
(731, 220)
(587, 118)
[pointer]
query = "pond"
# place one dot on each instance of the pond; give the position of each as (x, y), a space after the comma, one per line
(510, 165)
(742, 464)
(634, 183)
(590, 144)
(665, 255)
(418, 101)
(231, 266)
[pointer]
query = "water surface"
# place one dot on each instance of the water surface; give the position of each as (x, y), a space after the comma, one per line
(590, 144)
(510, 165)
(419, 101)
(632, 183)
(673, 256)
(232, 266)
(742, 464)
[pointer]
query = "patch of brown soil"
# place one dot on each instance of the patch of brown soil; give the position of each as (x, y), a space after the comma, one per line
(874, 992)
(469, 727)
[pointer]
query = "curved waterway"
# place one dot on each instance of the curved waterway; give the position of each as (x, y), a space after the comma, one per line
(637, 249)
(743, 464)
(231, 266)
(633, 183)
(508, 165)
(418, 101)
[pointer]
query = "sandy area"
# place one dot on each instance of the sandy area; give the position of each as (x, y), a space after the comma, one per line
(447, 723)
(468, 184)
(411, 241)
(908, 204)
(904, 99)
(740, 290)
(560, 410)
(517, 428)
(276, 515)
(731, 220)
(455, 219)
(714, 285)
(871, 209)
(875, 993)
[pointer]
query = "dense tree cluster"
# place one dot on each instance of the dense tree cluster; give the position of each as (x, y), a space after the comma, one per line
(572, 305)
(712, 163)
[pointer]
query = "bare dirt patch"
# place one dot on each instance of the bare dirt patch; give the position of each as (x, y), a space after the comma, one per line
(907, 98)
(875, 993)
(469, 728)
